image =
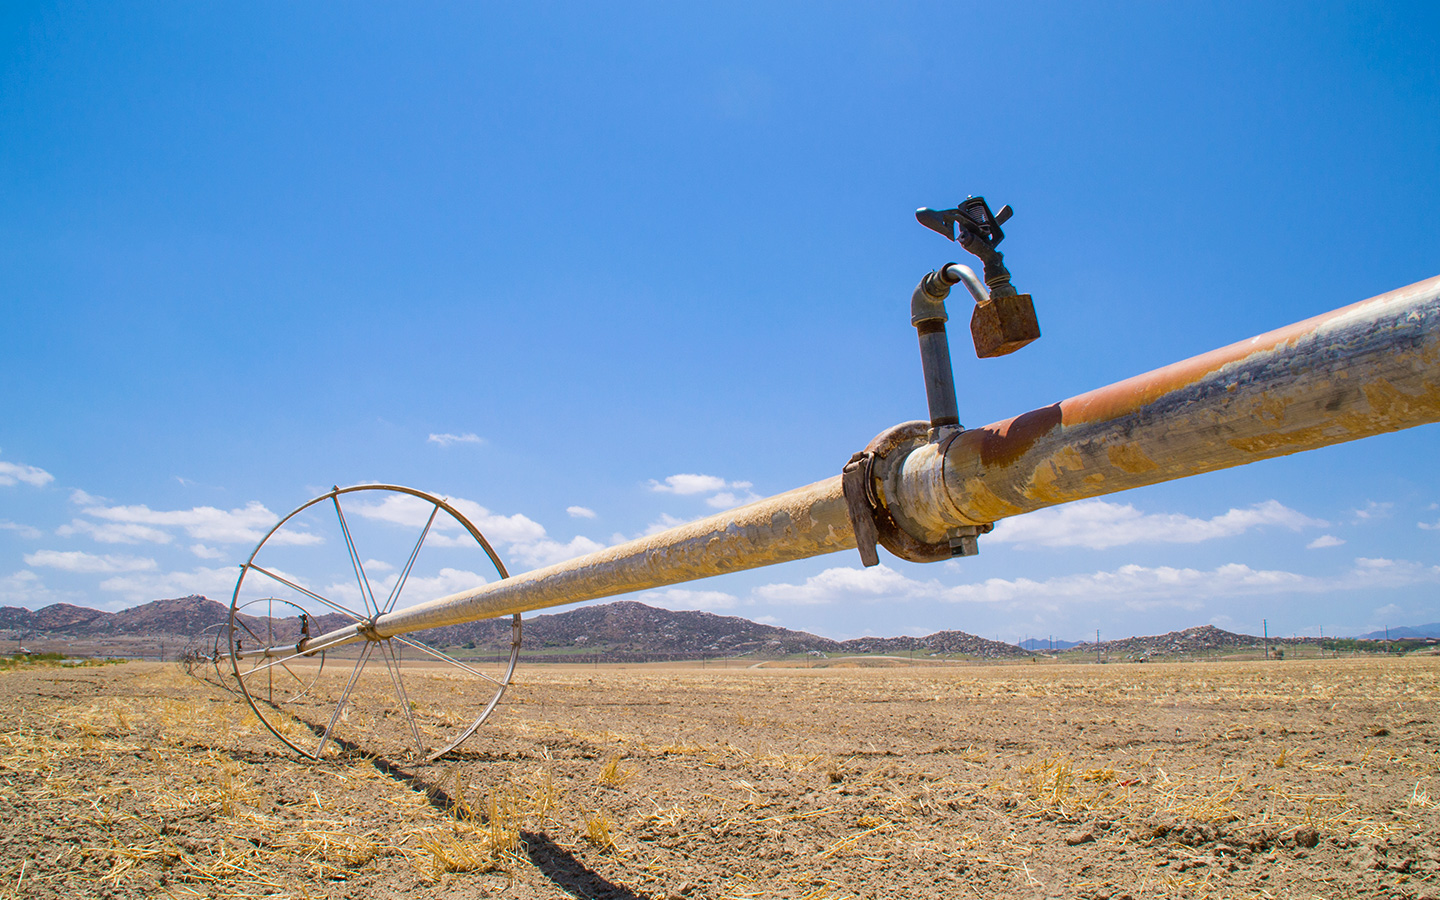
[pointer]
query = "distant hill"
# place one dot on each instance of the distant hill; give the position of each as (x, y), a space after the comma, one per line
(1200, 639)
(1034, 644)
(1404, 631)
(627, 627)
(939, 642)
(621, 630)
(1191, 640)
(180, 617)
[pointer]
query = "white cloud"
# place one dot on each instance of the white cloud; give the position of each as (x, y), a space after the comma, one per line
(446, 582)
(417, 589)
(690, 484)
(1136, 587)
(684, 598)
(142, 587)
(1429, 526)
(724, 494)
(664, 523)
(447, 440)
(24, 531)
(730, 499)
(80, 498)
(205, 552)
(115, 532)
(11, 473)
(399, 509)
(206, 523)
(580, 512)
(876, 582)
(25, 588)
(78, 561)
(548, 552)
(522, 538)
(1324, 540)
(1373, 511)
(1388, 611)
(1101, 524)
(403, 509)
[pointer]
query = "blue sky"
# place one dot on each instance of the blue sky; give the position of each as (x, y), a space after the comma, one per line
(596, 268)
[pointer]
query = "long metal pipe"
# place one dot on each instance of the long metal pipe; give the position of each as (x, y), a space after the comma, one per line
(1362, 370)
(798, 524)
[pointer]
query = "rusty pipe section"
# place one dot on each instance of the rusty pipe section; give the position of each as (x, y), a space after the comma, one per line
(1361, 370)
(808, 521)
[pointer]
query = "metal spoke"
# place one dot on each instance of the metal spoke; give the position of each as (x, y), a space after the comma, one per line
(393, 665)
(270, 642)
(291, 673)
(366, 594)
(307, 592)
(344, 698)
(405, 575)
(450, 659)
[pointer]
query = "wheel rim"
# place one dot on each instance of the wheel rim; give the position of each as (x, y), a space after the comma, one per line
(340, 560)
(205, 657)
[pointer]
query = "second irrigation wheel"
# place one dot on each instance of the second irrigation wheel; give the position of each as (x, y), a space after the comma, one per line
(336, 563)
(207, 658)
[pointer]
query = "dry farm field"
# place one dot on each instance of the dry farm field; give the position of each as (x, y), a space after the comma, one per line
(1253, 779)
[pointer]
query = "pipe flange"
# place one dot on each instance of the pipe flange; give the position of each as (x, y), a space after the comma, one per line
(893, 537)
(871, 518)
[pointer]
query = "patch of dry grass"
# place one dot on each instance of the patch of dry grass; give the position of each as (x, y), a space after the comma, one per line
(600, 831)
(612, 775)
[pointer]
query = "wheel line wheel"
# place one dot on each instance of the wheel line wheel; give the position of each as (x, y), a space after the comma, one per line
(330, 567)
(205, 657)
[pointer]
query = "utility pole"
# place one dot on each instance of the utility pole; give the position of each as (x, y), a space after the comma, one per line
(1267, 638)
(1097, 646)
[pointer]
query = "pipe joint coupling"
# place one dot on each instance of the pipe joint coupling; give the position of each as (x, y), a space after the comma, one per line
(871, 518)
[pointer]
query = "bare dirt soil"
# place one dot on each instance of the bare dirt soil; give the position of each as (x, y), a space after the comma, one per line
(1290, 779)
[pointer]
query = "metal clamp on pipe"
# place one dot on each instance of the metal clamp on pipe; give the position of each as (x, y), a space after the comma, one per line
(873, 519)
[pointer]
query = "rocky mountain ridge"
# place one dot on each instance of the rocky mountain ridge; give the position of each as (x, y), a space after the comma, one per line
(624, 629)
(1199, 639)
